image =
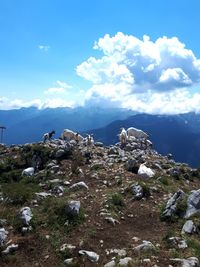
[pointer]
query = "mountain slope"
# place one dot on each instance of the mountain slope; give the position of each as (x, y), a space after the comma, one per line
(62, 205)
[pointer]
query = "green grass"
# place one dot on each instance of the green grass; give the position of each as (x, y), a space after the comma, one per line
(164, 180)
(19, 193)
(115, 202)
(53, 210)
(194, 245)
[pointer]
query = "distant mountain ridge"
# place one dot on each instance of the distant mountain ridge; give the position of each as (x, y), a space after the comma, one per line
(29, 124)
(176, 134)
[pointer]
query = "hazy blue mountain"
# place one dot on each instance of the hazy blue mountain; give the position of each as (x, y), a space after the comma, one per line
(176, 134)
(29, 124)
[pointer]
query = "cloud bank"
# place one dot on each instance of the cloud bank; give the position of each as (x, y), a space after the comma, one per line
(6, 103)
(147, 76)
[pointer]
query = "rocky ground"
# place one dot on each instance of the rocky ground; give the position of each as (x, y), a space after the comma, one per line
(65, 204)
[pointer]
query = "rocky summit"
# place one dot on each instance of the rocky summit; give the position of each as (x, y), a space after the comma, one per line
(68, 204)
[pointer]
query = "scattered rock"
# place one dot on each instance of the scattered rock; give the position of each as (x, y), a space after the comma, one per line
(73, 208)
(112, 220)
(188, 227)
(58, 190)
(172, 203)
(110, 264)
(66, 247)
(92, 256)
(132, 165)
(10, 249)
(145, 246)
(26, 215)
(28, 171)
(68, 262)
(79, 185)
(3, 222)
(190, 262)
(193, 204)
(119, 252)
(178, 242)
(125, 261)
(99, 144)
(42, 195)
(137, 191)
(3, 236)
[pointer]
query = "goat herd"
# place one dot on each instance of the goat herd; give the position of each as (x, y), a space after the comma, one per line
(69, 135)
(130, 135)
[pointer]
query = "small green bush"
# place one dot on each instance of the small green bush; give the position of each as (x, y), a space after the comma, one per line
(146, 190)
(115, 202)
(181, 207)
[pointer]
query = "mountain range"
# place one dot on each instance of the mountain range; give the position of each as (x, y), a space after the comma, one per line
(176, 134)
(29, 124)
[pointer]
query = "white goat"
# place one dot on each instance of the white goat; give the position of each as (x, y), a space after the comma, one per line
(123, 136)
(70, 135)
(137, 133)
(48, 136)
(89, 140)
(78, 138)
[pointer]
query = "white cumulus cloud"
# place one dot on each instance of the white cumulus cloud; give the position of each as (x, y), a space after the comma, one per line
(142, 74)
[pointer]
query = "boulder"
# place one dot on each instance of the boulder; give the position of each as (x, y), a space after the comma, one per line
(26, 215)
(145, 246)
(79, 185)
(125, 261)
(110, 264)
(188, 227)
(112, 220)
(58, 189)
(60, 153)
(73, 208)
(69, 262)
(178, 242)
(92, 256)
(137, 191)
(3, 236)
(10, 249)
(28, 171)
(98, 144)
(193, 204)
(190, 262)
(172, 204)
(42, 195)
(131, 165)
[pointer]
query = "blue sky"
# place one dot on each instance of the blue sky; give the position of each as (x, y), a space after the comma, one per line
(42, 42)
